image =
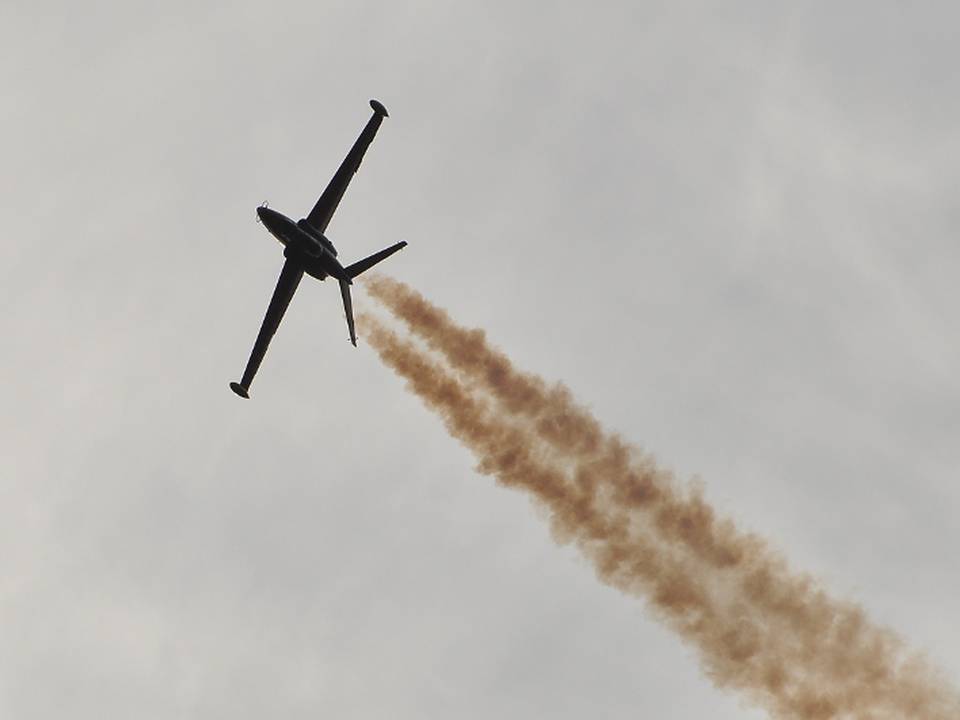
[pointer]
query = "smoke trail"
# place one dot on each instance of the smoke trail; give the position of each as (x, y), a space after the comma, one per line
(774, 635)
(569, 429)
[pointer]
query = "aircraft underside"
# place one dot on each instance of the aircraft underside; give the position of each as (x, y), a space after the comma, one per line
(312, 266)
(307, 250)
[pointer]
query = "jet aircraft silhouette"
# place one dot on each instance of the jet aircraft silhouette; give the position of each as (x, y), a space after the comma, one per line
(308, 250)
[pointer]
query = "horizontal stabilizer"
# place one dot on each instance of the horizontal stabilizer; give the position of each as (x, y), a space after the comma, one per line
(367, 263)
(348, 310)
(240, 390)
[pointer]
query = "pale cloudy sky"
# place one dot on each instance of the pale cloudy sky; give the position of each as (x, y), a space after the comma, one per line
(730, 228)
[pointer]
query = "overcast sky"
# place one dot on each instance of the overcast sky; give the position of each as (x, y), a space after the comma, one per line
(732, 232)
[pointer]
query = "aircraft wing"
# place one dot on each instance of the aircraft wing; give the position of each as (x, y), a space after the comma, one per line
(287, 284)
(320, 216)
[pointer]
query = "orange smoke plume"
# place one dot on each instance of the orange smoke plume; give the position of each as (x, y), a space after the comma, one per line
(759, 627)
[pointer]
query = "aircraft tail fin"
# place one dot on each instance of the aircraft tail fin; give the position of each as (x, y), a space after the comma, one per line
(348, 309)
(367, 263)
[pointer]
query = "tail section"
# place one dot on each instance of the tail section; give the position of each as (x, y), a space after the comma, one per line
(348, 310)
(352, 271)
(367, 263)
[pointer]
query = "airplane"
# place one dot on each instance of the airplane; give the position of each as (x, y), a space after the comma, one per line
(308, 250)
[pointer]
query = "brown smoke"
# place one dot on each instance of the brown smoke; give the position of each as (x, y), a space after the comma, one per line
(759, 627)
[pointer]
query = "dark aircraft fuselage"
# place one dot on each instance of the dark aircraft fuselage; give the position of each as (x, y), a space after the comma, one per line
(310, 248)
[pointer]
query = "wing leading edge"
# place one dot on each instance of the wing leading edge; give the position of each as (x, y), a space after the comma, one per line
(320, 216)
(287, 284)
